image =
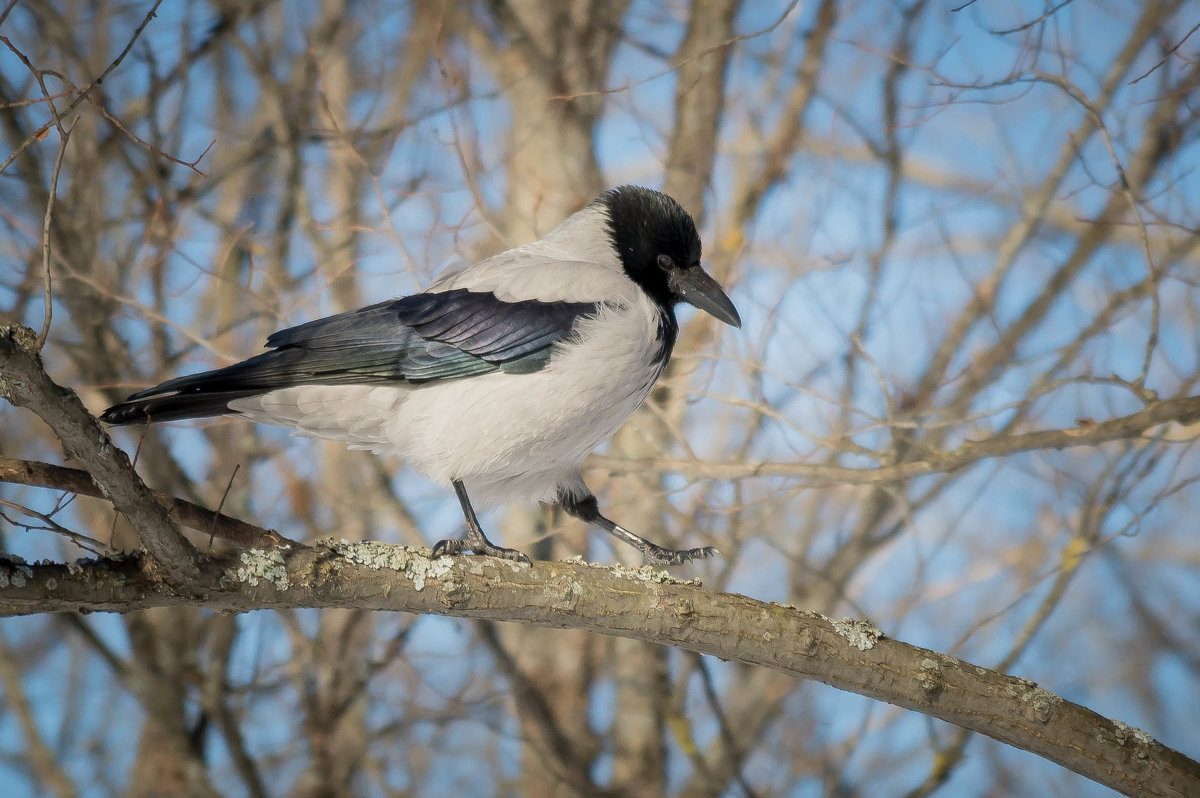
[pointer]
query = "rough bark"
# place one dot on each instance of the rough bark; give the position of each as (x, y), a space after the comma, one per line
(24, 382)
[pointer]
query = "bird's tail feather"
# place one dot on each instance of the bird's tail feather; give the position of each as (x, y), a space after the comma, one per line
(173, 407)
(210, 392)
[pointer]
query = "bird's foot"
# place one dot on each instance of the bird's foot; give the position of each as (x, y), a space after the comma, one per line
(657, 555)
(484, 548)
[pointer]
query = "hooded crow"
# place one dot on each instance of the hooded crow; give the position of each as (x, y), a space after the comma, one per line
(500, 378)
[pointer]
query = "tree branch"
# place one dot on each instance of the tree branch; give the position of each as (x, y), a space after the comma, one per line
(699, 98)
(1182, 409)
(24, 383)
(181, 511)
(641, 604)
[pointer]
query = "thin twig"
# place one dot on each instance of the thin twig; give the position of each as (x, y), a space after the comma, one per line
(37, 134)
(37, 100)
(193, 516)
(1126, 189)
(932, 461)
(1051, 12)
(8, 9)
(82, 541)
(121, 126)
(729, 42)
(47, 297)
(212, 533)
(1170, 52)
(737, 756)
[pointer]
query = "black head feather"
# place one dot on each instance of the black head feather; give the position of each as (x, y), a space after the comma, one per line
(645, 225)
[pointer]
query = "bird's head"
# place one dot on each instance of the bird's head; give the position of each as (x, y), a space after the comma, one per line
(659, 248)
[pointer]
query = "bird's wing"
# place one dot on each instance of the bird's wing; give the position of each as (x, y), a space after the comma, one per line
(433, 336)
(417, 339)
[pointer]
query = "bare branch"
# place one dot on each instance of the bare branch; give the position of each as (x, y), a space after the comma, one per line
(699, 98)
(41, 757)
(181, 511)
(116, 62)
(82, 541)
(24, 383)
(646, 605)
(1088, 433)
(1169, 53)
(65, 136)
(1026, 26)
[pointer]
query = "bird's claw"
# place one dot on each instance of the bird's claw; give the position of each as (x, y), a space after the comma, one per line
(657, 555)
(447, 547)
(461, 546)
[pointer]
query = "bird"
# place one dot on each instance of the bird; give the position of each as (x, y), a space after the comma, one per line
(500, 378)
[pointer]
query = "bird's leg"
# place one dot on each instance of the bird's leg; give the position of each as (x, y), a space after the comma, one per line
(586, 509)
(475, 541)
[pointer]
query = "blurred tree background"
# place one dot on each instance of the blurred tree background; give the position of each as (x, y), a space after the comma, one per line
(946, 225)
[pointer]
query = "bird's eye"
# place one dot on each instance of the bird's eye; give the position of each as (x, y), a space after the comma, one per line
(665, 263)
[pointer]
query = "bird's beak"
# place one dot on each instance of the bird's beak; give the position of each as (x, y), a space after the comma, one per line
(694, 286)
